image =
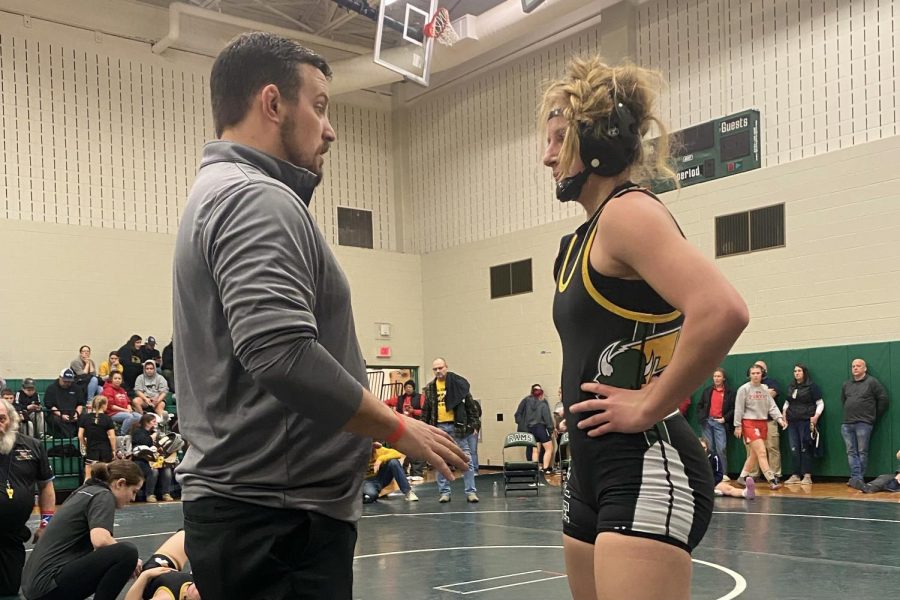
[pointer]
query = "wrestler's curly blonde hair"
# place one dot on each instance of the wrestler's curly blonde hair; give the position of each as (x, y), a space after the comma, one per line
(586, 94)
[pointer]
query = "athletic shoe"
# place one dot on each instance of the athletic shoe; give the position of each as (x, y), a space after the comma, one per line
(416, 478)
(774, 484)
(168, 498)
(151, 499)
(792, 481)
(471, 497)
(725, 478)
(444, 498)
(750, 491)
(807, 480)
(411, 496)
(858, 484)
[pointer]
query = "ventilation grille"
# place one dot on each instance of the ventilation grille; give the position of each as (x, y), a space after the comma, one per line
(750, 231)
(354, 227)
(511, 279)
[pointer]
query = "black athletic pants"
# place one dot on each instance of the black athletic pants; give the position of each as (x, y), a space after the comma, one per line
(12, 560)
(240, 550)
(103, 573)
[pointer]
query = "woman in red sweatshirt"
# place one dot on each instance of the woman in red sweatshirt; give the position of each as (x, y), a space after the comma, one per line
(119, 405)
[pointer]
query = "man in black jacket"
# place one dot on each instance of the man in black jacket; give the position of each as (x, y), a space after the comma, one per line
(130, 358)
(65, 403)
(450, 407)
(864, 400)
(715, 413)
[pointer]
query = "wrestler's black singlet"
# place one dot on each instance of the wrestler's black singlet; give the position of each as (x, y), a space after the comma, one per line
(619, 332)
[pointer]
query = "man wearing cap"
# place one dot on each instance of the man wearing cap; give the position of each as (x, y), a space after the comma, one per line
(28, 405)
(26, 466)
(150, 389)
(65, 403)
(149, 352)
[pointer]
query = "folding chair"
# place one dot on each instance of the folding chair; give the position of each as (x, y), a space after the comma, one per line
(521, 475)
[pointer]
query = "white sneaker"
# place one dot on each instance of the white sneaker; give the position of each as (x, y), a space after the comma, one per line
(411, 496)
(416, 478)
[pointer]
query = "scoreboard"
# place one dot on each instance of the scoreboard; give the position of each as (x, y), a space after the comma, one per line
(719, 148)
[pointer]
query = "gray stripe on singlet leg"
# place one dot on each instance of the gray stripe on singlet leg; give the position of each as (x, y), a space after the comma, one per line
(665, 495)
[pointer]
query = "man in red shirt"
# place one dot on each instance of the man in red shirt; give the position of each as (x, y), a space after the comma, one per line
(715, 412)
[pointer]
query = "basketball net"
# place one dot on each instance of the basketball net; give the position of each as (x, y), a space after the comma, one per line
(439, 28)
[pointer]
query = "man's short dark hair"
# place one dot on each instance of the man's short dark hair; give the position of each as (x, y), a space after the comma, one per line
(250, 62)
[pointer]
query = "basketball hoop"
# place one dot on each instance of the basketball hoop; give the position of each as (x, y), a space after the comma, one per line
(439, 28)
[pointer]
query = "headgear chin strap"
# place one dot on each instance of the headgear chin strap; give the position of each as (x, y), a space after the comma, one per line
(606, 155)
(569, 188)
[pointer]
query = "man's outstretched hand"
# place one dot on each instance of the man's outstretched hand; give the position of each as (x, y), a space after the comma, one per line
(426, 442)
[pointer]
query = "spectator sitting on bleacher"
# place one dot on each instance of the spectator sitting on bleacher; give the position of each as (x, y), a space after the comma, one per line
(110, 365)
(150, 390)
(96, 435)
(149, 352)
(27, 466)
(7, 394)
(86, 372)
(130, 357)
(65, 403)
(385, 467)
(119, 404)
(28, 404)
(145, 453)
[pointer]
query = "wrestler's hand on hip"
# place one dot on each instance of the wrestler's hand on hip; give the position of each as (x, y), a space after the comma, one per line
(616, 410)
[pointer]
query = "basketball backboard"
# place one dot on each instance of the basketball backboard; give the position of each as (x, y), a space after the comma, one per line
(400, 44)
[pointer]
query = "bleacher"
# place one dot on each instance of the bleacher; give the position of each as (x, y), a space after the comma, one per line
(63, 453)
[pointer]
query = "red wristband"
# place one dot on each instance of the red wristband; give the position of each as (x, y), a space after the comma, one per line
(398, 431)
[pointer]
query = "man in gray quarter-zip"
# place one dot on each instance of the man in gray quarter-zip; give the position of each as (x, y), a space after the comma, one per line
(270, 377)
